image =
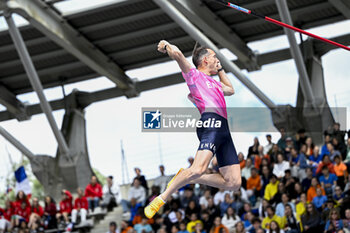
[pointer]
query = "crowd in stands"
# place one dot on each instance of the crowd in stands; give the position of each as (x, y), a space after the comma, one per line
(287, 187)
(290, 186)
(25, 214)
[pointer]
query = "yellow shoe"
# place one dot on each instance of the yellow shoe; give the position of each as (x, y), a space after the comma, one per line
(153, 207)
(171, 181)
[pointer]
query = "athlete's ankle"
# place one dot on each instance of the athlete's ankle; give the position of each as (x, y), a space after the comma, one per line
(161, 198)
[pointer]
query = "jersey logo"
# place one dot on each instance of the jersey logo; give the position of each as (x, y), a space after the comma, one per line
(208, 146)
(211, 85)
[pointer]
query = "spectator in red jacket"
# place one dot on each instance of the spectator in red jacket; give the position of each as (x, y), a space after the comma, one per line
(22, 214)
(9, 209)
(81, 207)
(37, 214)
(50, 212)
(3, 225)
(6, 215)
(93, 193)
(66, 206)
(21, 197)
(325, 162)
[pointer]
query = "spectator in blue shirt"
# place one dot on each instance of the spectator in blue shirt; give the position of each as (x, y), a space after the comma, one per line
(332, 151)
(338, 194)
(182, 227)
(247, 222)
(306, 183)
(320, 199)
(228, 202)
(334, 223)
(301, 164)
(315, 158)
(143, 227)
(302, 157)
(328, 180)
(134, 208)
(280, 206)
(295, 157)
(324, 150)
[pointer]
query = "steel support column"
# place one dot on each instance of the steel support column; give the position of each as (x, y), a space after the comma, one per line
(35, 81)
(296, 53)
(12, 104)
(202, 39)
(16, 143)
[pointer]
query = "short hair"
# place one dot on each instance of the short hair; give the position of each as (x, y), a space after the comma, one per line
(254, 169)
(301, 131)
(205, 212)
(198, 54)
(270, 207)
(255, 219)
(113, 224)
(110, 177)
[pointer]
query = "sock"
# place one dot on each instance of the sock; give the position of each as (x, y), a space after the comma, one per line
(160, 197)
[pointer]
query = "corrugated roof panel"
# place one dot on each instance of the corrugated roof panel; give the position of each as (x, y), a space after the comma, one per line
(153, 38)
(151, 53)
(52, 78)
(127, 28)
(110, 12)
(326, 12)
(39, 64)
(297, 3)
(258, 29)
(43, 48)
(27, 32)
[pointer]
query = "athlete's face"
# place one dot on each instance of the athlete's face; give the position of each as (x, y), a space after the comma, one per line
(212, 62)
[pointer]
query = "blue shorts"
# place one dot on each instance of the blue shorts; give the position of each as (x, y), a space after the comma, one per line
(217, 139)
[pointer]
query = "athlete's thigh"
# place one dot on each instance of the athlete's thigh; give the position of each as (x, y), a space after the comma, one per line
(226, 152)
(228, 160)
(202, 159)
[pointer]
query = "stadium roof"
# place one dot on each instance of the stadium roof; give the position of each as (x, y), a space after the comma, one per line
(108, 40)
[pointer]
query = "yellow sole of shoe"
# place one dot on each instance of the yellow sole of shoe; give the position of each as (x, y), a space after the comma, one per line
(147, 215)
(149, 211)
(171, 181)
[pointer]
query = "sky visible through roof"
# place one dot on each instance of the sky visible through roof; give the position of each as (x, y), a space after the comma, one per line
(109, 122)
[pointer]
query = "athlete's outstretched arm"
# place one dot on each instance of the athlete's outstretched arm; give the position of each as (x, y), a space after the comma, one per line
(227, 87)
(175, 53)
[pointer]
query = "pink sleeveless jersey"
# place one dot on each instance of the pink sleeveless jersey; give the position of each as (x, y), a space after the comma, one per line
(205, 92)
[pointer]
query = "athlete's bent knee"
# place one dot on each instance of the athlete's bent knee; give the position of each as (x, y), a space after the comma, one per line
(196, 173)
(234, 184)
